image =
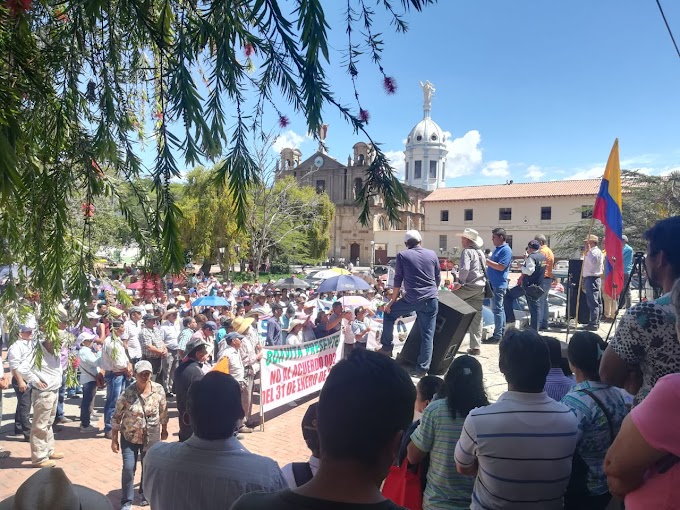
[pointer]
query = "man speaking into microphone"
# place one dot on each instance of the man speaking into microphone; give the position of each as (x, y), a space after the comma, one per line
(418, 269)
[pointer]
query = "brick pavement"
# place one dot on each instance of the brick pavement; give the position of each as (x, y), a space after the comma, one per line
(89, 460)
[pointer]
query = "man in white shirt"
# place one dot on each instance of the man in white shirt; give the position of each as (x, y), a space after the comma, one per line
(131, 334)
(251, 354)
(238, 372)
(45, 382)
(90, 364)
(170, 362)
(360, 327)
(212, 467)
(593, 268)
(19, 356)
(520, 448)
(117, 369)
(261, 305)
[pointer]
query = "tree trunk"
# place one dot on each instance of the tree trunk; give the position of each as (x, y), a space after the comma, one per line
(205, 267)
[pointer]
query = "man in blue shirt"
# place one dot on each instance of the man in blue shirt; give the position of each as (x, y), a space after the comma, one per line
(274, 334)
(627, 269)
(418, 269)
(498, 266)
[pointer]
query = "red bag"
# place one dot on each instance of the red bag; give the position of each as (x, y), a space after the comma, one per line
(403, 486)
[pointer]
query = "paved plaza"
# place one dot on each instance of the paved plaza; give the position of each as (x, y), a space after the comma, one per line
(89, 460)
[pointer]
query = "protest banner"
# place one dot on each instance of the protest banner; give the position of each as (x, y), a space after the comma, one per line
(290, 372)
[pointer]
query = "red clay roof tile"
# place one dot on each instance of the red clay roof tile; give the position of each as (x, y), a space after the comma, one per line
(587, 187)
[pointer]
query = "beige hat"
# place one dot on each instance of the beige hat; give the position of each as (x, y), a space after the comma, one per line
(241, 324)
(115, 312)
(592, 238)
(171, 311)
(295, 322)
(51, 485)
(472, 235)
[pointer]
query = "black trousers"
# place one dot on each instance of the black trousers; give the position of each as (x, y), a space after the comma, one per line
(22, 416)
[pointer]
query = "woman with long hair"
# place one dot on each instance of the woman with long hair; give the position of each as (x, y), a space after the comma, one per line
(438, 433)
(600, 409)
(643, 464)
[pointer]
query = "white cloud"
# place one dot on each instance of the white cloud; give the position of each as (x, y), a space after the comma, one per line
(397, 160)
(287, 140)
(593, 172)
(534, 173)
(465, 154)
(496, 169)
(669, 170)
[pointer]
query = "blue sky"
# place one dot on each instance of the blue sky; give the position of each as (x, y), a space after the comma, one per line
(528, 90)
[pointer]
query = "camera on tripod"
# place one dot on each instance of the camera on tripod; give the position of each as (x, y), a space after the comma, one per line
(639, 255)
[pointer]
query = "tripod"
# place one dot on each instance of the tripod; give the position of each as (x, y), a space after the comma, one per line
(638, 267)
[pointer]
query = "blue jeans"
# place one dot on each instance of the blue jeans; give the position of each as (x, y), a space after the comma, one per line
(545, 311)
(62, 395)
(89, 391)
(534, 311)
(426, 313)
(498, 313)
(115, 385)
(591, 285)
(131, 452)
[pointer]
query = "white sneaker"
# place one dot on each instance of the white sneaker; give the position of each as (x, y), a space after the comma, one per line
(89, 428)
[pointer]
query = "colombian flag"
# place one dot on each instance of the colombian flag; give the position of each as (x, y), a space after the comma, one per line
(608, 211)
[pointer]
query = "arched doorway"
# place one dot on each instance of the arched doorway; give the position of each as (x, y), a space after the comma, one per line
(354, 252)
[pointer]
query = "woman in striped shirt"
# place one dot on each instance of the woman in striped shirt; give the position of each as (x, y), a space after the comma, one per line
(438, 433)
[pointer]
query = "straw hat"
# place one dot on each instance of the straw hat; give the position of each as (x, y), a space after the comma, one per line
(51, 485)
(592, 238)
(241, 324)
(472, 235)
(295, 322)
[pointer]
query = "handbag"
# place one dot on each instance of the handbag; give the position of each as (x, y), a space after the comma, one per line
(403, 486)
(534, 291)
(98, 379)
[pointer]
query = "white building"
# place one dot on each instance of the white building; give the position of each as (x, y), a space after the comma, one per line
(426, 152)
(523, 210)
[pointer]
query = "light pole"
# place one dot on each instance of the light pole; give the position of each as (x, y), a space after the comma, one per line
(221, 250)
(237, 247)
(372, 255)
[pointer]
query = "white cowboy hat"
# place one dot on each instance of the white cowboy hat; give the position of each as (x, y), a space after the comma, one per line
(295, 322)
(472, 235)
(51, 484)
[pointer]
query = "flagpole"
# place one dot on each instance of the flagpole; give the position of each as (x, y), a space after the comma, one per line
(580, 280)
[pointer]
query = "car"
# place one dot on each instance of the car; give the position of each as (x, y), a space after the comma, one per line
(445, 265)
(380, 270)
(561, 265)
(516, 265)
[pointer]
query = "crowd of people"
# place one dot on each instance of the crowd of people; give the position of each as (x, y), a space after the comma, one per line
(562, 436)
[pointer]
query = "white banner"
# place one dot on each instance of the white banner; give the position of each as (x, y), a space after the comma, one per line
(294, 371)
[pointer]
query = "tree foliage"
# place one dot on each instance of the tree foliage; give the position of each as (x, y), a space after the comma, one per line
(86, 85)
(288, 221)
(646, 200)
(208, 221)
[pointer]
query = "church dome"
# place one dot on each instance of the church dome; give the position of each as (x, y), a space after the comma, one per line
(425, 132)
